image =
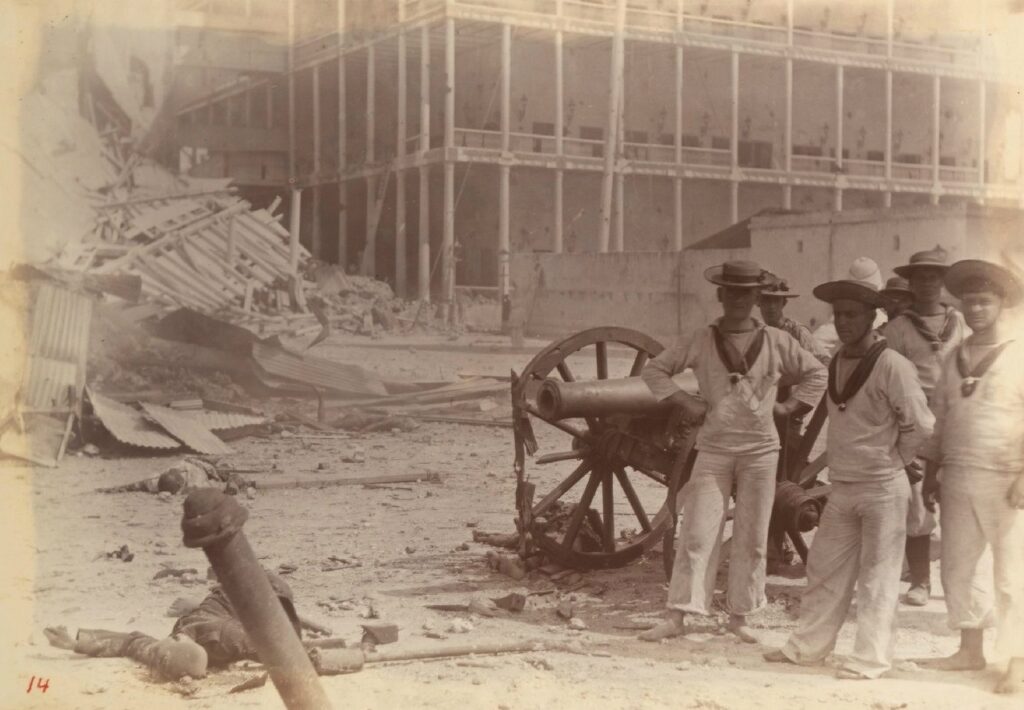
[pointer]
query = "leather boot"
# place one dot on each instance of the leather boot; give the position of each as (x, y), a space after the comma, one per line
(918, 552)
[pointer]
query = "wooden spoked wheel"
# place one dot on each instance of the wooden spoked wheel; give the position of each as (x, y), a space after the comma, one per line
(603, 520)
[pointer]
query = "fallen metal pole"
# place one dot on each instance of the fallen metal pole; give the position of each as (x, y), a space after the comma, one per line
(351, 660)
(213, 521)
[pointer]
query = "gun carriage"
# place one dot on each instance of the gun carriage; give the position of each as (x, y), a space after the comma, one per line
(632, 448)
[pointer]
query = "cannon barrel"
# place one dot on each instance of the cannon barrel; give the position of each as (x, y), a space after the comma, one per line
(595, 398)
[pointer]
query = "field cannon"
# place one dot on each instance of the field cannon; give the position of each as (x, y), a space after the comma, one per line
(586, 390)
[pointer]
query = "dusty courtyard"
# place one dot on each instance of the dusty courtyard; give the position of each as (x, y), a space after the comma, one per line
(405, 546)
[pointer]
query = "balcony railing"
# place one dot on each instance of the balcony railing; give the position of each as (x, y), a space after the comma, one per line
(661, 153)
(601, 15)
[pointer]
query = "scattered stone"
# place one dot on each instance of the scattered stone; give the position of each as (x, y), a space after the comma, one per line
(541, 664)
(164, 496)
(577, 624)
(410, 549)
(471, 524)
(250, 493)
(122, 553)
(354, 456)
(380, 633)
(511, 602)
(91, 450)
(482, 607)
(463, 547)
(510, 566)
(684, 666)
(286, 568)
(460, 626)
(907, 667)
(321, 466)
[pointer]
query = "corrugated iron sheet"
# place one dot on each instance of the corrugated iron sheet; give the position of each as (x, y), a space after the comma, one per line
(184, 427)
(222, 421)
(57, 351)
(128, 426)
(278, 362)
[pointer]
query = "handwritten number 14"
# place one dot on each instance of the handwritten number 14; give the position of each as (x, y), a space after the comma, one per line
(41, 684)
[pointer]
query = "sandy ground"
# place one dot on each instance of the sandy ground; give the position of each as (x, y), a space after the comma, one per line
(407, 541)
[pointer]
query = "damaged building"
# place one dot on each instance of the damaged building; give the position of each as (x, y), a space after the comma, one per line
(424, 141)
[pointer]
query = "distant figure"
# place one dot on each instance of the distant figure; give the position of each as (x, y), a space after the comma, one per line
(898, 297)
(979, 445)
(926, 333)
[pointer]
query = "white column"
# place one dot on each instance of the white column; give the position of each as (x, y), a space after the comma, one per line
(423, 230)
(401, 274)
(787, 138)
(838, 200)
(448, 235)
(611, 127)
(936, 129)
(342, 144)
(888, 133)
(504, 171)
(291, 93)
(677, 182)
(294, 224)
(370, 245)
(559, 133)
(734, 137)
(982, 119)
(317, 247)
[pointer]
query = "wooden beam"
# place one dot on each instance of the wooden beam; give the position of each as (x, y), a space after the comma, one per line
(611, 126)
(401, 273)
(890, 12)
(293, 238)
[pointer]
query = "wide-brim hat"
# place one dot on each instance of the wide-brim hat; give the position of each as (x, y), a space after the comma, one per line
(933, 259)
(780, 289)
(740, 274)
(999, 278)
(847, 289)
(895, 287)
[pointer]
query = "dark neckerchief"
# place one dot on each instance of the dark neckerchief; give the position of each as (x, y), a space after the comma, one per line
(856, 379)
(737, 364)
(971, 377)
(934, 339)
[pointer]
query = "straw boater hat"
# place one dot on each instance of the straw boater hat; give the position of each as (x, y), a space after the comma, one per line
(933, 258)
(779, 290)
(895, 287)
(740, 274)
(999, 279)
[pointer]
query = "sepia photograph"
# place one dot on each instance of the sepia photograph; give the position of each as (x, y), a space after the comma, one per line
(512, 354)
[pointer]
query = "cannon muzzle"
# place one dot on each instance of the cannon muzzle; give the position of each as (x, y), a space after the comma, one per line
(596, 398)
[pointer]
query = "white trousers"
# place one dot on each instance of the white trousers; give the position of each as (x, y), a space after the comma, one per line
(859, 544)
(977, 517)
(705, 502)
